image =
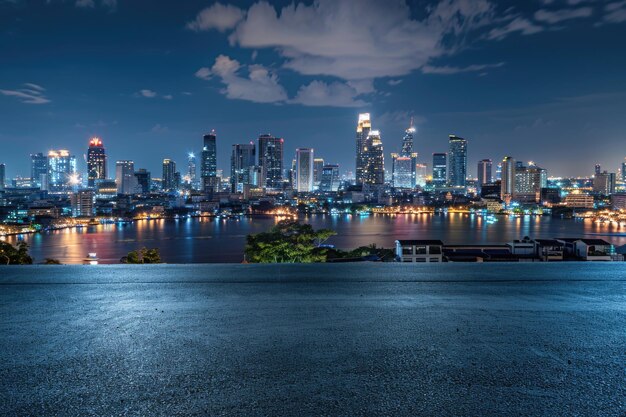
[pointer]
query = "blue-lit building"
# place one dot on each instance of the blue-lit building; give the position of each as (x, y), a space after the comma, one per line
(404, 164)
(62, 176)
(271, 151)
(330, 178)
(242, 163)
(440, 168)
(208, 168)
(457, 161)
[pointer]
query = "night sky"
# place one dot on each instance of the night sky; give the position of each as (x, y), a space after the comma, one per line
(542, 80)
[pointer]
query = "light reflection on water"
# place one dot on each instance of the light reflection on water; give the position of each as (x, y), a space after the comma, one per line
(223, 240)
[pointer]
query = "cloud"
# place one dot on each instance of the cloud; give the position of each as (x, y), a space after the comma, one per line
(557, 16)
(146, 93)
(260, 86)
(394, 82)
(218, 16)
(159, 129)
(85, 3)
(518, 24)
(615, 12)
(168, 97)
(336, 94)
(203, 73)
(31, 94)
(429, 69)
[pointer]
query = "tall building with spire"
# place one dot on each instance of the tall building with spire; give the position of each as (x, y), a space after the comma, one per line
(96, 162)
(363, 128)
(208, 169)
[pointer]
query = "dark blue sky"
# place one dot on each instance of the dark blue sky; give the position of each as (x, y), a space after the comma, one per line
(541, 80)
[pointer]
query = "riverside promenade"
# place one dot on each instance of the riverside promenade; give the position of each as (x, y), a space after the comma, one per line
(343, 339)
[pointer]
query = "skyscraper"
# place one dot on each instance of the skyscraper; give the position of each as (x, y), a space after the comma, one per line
(507, 186)
(125, 177)
(624, 171)
(242, 163)
(457, 161)
(271, 161)
(374, 160)
(318, 165)
(61, 170)
(529, 180)
(404, 164)
(96, 162)
(304, 170)
(210, 181)
(191, 176)
(169, 176)
(330, 178)
(82, 203)
(420, 174)
(39, 170)
(440, 170)
(597, 169)
(484, 172)
(143, 179)
(604, 183)
(363, 128)
(2, 176)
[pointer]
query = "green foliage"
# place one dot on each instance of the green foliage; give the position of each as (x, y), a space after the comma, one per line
(50, 261)
(142, 256)
(15, 255)
(288, 242)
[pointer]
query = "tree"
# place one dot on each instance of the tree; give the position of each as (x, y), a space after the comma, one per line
(288, 242)
(50, 261)
(15, 255)
(142, 256)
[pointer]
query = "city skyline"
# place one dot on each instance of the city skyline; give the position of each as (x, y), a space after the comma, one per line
(195, 68)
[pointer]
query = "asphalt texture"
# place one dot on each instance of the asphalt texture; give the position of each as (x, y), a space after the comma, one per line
(358, 339)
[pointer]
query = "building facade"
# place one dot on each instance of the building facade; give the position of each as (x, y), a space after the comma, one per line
(82, 203)
(604, 183)
(125, 177)
(61, 170)
(330, 180)
(208, 168)
(2, 176)
(507, 185)
(304, 170)
(143, 181)
(440, 170)
(484, 172)
(373, 172)
(457, 161)
(169, 176)
(242, 163)
(363, 128)
(96, 162)
(271, 152)
(39, 170)
(318, 165)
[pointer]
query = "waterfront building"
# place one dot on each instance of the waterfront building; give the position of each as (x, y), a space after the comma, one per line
(2, 176)
(271, 151)
(507, 185)
(419, 251)
(106, 189)
(579, 200)
(96, 162)
(618, 201)
(550, 196)
(169, 176)
(364, 125)
(242, 163)
(330, 178)
(484, 172)
(421, 174)
(39, 170)
(304, 170)
(457, 161)
(440, 170)
(143, 180)
(208, 169)
(529, 180)
(318, 165)
(191, 177)
(373, 169)
(125, 177)
(82, 203)
(403, 171)
(61, 170)
(604, 183)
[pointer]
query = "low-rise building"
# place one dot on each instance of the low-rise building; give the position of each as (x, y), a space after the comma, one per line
(419, 250)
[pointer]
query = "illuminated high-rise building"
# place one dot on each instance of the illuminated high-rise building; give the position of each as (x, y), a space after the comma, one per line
(604, 183)
(96, 162)
(304, 170)
(624, 171)
(440, 170)
(597, 169)
(143, 180)
(242, 163)
(318, 165)
(404, 164)
(169, 180)
(208, 169)
(373, 156)
(330, 178)
(529, 180)
(125, 177)
(39, 170)
(507, 186)
(62, 174)
(457, 161)
(191, 177)
(484, 172)
(363, 128)
(271, 150)
(420, 174)
(82, 203)
(2, 176)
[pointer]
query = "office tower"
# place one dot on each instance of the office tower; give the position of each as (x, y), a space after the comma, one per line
(271, 161)
(363, 128)
(82, 203)
(242, 163)
(39, 170)
(484, 172)
(2, 176)
(330, 178)
(529, 180)
(440, 170)
(318, 165)
(421, 174)
(292, 174)
(191, 176)
(373, 172)
(457, 161)
(96, 162)
(125, 177)
(208, 170)
(507, 186)
(169, 176)
(499, 171)
(604, 183)
(407, 140)
(143, 179)
(624, 171)
(304, 170)
(61, 170)
(402, 171)
(597, 169)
